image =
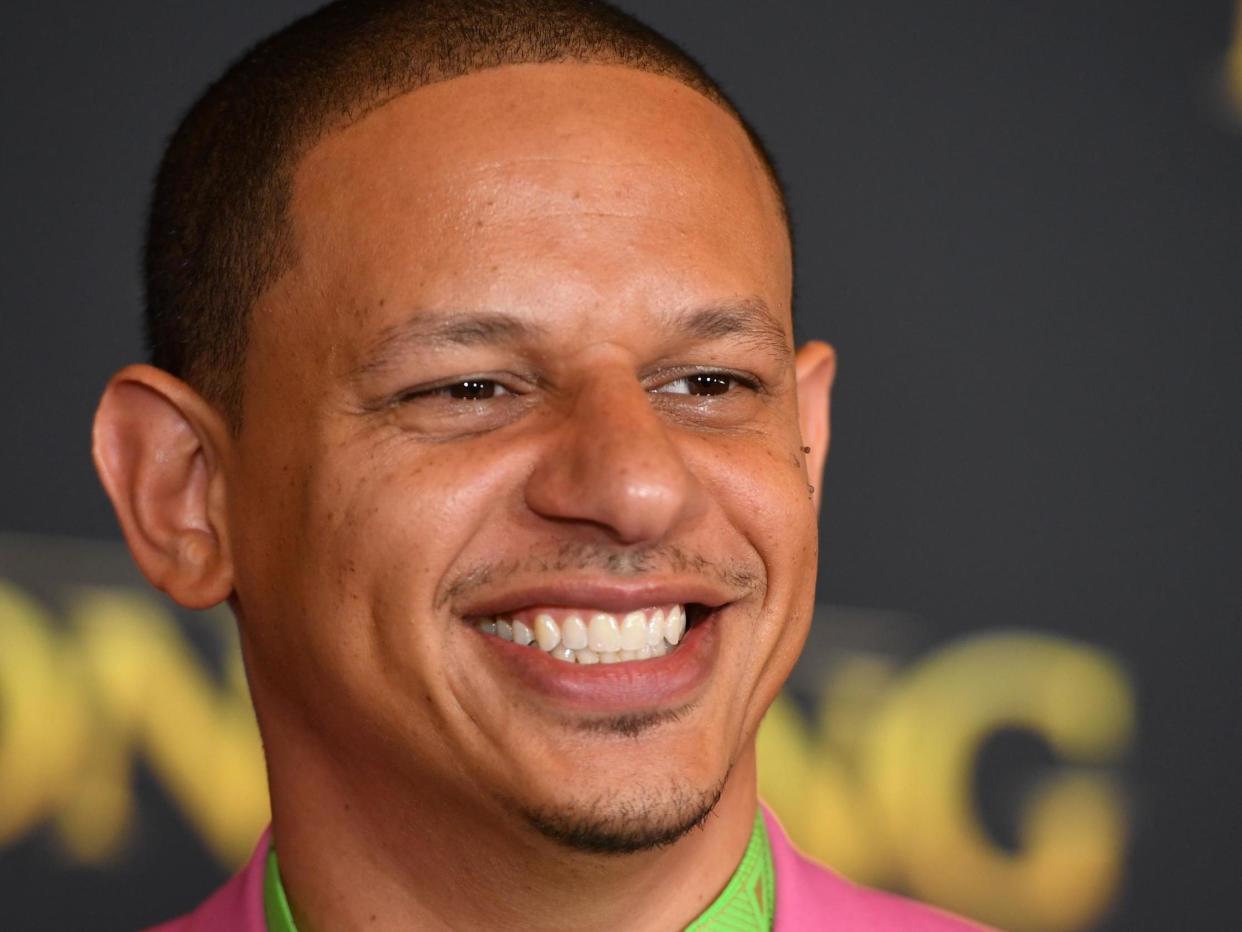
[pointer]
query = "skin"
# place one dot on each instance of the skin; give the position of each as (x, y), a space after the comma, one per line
(359, 519)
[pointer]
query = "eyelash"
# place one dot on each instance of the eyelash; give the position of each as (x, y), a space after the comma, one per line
(484, 384)
(446, 391)
(730, 378)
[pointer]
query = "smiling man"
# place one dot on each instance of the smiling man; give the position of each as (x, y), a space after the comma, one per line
(476, 398)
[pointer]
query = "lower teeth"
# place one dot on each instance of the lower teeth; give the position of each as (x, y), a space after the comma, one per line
(588, 656)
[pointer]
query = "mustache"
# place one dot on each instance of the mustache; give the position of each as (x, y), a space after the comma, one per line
(582, 556)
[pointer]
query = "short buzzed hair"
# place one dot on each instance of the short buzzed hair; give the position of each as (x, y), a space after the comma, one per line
(218, 233)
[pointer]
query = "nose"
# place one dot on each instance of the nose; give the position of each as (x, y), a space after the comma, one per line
(612, 462)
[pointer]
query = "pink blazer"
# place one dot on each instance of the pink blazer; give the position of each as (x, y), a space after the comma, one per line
(809, 898)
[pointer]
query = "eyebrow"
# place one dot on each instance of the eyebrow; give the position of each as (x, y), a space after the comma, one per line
(749, 319)
(442, 329)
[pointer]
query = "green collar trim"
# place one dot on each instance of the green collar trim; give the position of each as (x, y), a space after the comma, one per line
(747, 903)
(275, 903)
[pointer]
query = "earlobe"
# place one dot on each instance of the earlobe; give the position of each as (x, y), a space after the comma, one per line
(158, 448)
(815, 366)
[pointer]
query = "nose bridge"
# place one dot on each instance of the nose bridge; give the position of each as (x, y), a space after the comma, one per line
(613, 462)
(614, 397)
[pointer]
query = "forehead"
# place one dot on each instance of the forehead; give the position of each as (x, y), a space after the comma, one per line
(481, 187)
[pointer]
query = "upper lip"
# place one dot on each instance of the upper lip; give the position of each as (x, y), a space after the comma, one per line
(608, 595)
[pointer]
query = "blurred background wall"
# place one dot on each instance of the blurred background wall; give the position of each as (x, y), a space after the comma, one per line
(1019, 221)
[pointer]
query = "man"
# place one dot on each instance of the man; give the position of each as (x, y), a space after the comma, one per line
(477, 400)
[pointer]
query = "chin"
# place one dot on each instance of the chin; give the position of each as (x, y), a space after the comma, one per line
(617, 823)
(632, 784)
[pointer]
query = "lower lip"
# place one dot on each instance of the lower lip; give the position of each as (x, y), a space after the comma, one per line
(628, 686)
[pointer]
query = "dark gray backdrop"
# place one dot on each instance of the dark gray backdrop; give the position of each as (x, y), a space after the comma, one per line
(1019, 222)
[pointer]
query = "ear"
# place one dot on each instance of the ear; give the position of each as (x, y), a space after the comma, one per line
(815, 367)
(158, 448)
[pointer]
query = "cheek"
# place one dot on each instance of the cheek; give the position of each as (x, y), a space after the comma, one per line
(760, 484)
(762, 489)
(341, 587)
(405, 513)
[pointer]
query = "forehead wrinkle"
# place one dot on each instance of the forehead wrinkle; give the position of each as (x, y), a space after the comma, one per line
(435, 330)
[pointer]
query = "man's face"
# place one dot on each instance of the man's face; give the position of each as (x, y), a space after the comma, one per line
(533, 363)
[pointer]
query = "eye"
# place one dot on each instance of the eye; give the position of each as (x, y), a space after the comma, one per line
(463, 390)
(700, 383)
(474, 390)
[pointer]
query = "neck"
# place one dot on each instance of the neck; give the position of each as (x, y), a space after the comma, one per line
(357, 852)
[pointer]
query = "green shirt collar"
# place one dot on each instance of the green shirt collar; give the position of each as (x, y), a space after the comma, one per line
(275, 903)
(747, 903)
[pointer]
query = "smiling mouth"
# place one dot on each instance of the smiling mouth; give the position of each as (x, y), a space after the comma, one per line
(588, 636)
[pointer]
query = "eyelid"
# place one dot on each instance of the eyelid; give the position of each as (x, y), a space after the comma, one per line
(669, 376)
(517, 385)
(503, 381)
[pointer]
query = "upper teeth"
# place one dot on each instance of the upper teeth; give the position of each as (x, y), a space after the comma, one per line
(594, 637)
